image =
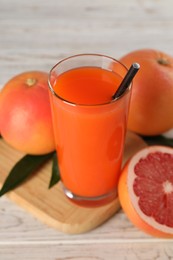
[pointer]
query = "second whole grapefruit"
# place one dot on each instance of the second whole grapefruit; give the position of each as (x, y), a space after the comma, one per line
(151, 106)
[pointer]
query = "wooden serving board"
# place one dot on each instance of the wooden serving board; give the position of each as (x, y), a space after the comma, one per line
(50, 205)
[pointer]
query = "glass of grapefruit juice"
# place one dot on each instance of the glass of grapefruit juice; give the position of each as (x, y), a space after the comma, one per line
(89, 125)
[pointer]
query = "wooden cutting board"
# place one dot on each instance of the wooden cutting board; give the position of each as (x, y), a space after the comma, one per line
(51, 206)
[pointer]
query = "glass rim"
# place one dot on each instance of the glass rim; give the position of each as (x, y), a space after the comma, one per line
(81, 104)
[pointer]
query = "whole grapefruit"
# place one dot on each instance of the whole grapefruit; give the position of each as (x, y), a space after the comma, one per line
(151, 106)
(25, 113)
(145, 190)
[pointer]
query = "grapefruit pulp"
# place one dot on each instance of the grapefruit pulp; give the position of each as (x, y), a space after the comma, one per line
(146, 190)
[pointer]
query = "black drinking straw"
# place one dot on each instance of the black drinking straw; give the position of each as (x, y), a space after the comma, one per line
(127, 80)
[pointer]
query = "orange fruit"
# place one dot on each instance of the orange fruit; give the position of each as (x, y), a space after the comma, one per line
(145, 190)
(25, 113)
(151, 106)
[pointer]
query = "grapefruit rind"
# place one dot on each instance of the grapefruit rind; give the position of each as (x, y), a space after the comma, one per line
(130, 180)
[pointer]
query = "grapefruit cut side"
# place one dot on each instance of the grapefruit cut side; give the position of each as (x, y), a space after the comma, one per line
(146, 190)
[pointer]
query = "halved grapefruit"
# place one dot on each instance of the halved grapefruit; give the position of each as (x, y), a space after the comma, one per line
(146, 190)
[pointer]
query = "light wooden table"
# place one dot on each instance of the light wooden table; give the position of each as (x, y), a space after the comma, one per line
(34, 35)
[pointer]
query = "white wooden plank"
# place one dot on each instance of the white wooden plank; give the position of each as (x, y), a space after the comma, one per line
(86, 251)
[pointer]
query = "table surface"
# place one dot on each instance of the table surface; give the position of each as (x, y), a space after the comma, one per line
(35, 35)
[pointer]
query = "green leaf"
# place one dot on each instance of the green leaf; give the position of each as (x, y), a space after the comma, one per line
(55, 172)
(158, 140)
(23, 169)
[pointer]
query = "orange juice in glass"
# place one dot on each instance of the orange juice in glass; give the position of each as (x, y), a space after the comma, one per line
(89, 126)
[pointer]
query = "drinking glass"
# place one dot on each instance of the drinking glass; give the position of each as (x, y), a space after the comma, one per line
(89, 128)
